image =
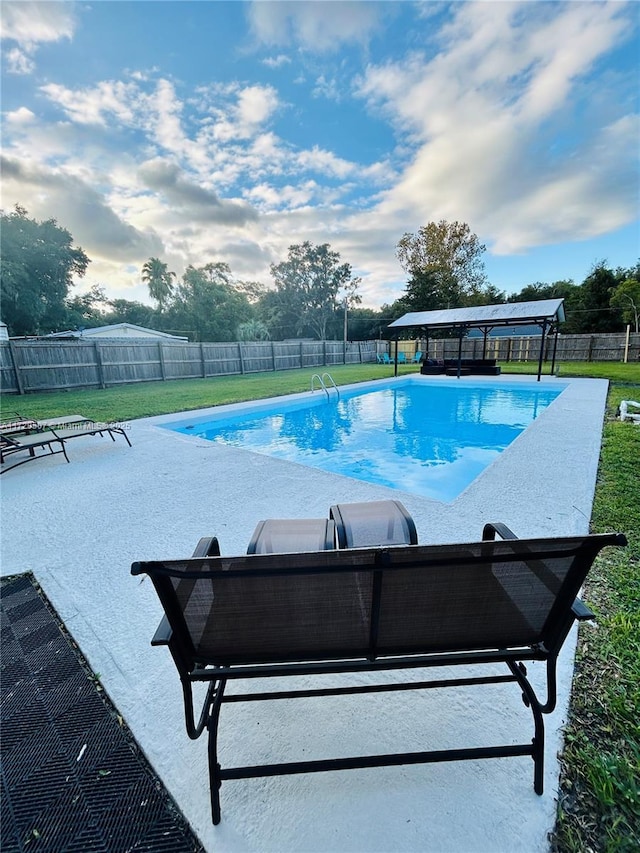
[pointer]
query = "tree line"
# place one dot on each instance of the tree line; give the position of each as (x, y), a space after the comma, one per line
(312, 291)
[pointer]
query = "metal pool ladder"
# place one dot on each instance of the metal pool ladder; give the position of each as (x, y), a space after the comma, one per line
(322, 383)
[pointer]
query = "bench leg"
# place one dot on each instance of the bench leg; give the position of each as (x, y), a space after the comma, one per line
(531, 701)
(215, 781)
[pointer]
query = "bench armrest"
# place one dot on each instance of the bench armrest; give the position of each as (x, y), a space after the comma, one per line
(492, 528)
(163, 633)
(581, 612)
(207, 547)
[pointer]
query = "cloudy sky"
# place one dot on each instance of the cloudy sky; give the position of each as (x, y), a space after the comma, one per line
(227, 131)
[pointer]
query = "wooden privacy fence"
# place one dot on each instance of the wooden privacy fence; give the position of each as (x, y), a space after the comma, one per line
(602, 347)
(52, 365)
(40, 365)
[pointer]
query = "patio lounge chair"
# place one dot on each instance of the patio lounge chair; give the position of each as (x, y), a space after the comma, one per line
(89, 427)
(361, 610)
(29, 443)
(12, 443)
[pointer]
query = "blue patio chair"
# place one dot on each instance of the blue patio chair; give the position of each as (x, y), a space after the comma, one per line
(402, 359)
(417, 358)
(386, 359)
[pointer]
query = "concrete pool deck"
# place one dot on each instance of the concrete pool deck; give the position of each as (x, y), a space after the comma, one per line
(79, 526)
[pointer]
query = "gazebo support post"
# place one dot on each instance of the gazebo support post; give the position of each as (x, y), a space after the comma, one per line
(460, 351)
(555, 347)
(542, 342)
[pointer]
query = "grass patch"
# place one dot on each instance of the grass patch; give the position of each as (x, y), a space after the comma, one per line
(599, 803)
(614, 371)
(144, 399)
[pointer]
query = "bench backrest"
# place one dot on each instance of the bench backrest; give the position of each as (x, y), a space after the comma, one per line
(368, 602)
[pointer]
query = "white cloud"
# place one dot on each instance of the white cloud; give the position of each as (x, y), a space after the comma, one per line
(18, 61)
(252, 108)
(97, 105)
(30, 24)
(317, 27)
(21, 116)
(276, 61)
(482, 114)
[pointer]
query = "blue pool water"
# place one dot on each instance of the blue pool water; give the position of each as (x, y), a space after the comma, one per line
(428, 439)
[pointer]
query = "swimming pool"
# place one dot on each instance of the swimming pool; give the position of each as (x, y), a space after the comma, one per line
(428, 438)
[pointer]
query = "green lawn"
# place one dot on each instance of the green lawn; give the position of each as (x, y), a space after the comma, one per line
(599, 804)
(139, 400)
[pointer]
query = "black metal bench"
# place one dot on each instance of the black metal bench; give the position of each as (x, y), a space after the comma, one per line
(504, 600)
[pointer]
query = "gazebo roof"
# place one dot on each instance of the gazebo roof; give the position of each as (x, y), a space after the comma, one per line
(541, 311)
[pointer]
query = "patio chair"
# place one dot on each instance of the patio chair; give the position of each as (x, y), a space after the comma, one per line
(417, 357)
(89, 427)
(386, 359)
(402, 358)
(13, 422)
(29, 443)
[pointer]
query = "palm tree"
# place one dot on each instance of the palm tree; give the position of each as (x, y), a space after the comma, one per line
(159, 280)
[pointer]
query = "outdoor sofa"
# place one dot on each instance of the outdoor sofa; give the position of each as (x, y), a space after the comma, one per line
(469, 366)
(369, 609)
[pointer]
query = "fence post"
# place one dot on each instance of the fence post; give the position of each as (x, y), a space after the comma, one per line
(509, 342)
(99, 367)
(626, 344)
(590, 353)
(16, 369)
(163, 374)
(203, 364)
(241, 359)
(273, 354)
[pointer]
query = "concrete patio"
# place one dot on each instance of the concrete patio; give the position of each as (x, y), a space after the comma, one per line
(79, 526)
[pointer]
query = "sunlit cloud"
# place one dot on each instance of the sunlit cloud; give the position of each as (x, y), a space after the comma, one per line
(30, 24)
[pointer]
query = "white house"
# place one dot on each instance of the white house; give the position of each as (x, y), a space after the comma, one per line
(117, 330)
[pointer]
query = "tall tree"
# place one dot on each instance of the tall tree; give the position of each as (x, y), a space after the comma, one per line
(597, 289)
(253, 330)
(562, 289)
(86, 309)
(38, 263)
(444, 262)
(159, 279)
(313, 284)
(207, 304)
(626, 297)
(127, 311)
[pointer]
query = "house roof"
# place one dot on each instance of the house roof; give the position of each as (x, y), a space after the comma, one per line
(115, 330)
(484, 317)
